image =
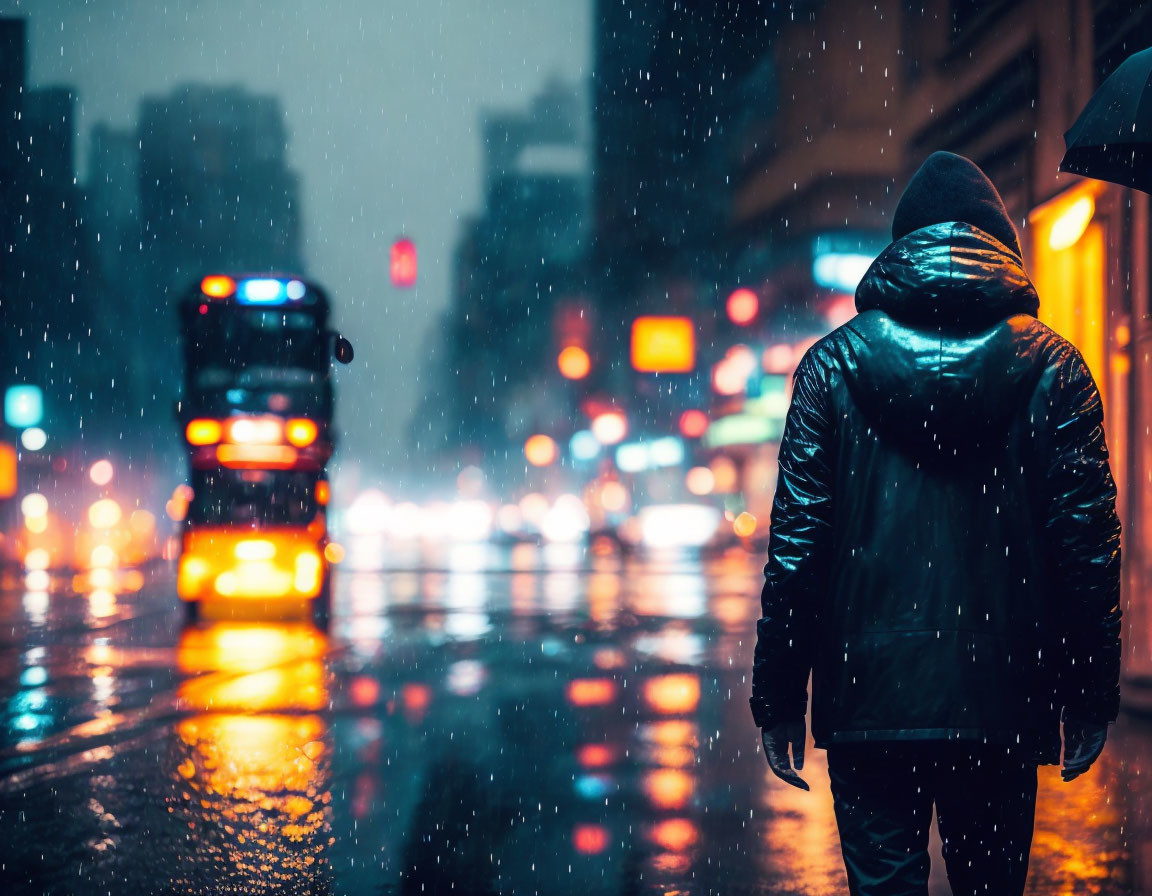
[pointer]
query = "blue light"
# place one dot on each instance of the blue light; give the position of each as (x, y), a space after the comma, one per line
(34, 676)
(841, 271)
(264, 291)
(23, 406)
(584, 445)
(295, 289)
(593, 787)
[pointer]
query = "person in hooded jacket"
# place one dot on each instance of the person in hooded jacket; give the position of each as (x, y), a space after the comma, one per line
(944, 553)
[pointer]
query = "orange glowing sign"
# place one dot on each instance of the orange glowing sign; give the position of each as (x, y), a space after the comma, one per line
(663, 345)
(591, 691)
(7, 470)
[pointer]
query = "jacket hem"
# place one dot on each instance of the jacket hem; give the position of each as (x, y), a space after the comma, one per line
(1044, 753)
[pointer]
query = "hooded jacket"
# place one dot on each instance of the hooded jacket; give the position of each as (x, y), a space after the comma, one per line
(944, 555)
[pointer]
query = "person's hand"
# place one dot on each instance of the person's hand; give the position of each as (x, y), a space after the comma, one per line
(776, 742)
(1083, 743)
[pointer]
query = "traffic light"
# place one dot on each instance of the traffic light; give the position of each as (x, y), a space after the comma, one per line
(402, 263)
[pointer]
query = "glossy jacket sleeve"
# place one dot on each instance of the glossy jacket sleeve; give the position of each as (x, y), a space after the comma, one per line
(798, 545)
(1083, 536)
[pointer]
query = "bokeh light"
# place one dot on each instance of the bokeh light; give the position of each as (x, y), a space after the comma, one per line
(574, 363)
(700, 481)
(693, 423)
(540, 450)
(743, 306)
(101, 472)
(744, 525)
(610, 427)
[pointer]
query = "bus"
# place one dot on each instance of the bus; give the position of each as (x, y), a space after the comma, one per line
(256, 414)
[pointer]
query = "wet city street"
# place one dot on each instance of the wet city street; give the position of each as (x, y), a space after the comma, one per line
(526, 719)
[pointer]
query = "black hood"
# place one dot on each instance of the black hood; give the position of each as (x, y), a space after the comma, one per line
(934, 358)
(948, 187)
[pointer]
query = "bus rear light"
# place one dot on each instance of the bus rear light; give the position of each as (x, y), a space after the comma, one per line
(254, 549)
(308, 572)
(256, 457)
(203, 432)
(300, 432)
(255, 431)
(223, 563)
(218, 286)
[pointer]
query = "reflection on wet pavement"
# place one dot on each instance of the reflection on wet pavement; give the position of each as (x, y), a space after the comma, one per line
(524, 720)
(253, 762)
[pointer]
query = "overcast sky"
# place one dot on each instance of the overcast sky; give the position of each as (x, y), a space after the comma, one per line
(382, 99)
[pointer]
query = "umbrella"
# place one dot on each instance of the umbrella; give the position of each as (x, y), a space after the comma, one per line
(1112, 138)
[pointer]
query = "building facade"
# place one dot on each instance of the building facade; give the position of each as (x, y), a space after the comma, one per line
(51, 335)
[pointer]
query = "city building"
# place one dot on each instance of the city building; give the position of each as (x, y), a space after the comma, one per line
(519, 274)
(48, 314)
(673, 83)
(216, 193)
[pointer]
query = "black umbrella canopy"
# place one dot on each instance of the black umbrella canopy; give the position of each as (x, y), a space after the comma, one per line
(1112, 138)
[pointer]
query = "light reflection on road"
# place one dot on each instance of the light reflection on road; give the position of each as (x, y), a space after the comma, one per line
(524, 719)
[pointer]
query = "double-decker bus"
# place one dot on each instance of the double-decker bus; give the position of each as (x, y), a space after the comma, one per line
(257, 419)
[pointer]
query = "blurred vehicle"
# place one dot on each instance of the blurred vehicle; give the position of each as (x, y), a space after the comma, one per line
(257, 422)
(257, 377)
(255, 541)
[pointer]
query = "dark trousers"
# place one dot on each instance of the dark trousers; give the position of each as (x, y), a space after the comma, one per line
(985, 798)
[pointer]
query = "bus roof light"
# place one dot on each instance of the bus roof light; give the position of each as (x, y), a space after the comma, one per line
(265, 290)
(218, 286)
